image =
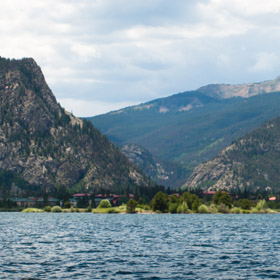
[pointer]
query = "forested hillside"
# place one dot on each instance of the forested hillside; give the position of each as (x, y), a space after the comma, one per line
(252, 162)
(188, 128)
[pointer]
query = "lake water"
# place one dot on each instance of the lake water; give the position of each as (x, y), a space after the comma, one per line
(90, 246)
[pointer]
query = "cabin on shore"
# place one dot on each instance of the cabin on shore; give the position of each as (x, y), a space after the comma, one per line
(36, 201)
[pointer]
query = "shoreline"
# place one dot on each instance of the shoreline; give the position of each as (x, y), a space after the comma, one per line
(40, 211)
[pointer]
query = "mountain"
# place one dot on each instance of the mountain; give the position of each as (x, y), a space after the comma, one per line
(44, 146)
(189, 128)
(153, 167)
(252, 162)
(243, 90)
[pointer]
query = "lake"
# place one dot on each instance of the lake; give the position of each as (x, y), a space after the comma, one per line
(91, 246)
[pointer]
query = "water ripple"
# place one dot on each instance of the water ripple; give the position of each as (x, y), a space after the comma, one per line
(86, 246)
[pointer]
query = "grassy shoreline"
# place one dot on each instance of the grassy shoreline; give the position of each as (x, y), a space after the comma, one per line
(132, 207)
(122, 210)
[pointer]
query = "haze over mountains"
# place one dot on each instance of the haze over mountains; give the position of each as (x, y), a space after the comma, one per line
(188, 128)
(44, 146)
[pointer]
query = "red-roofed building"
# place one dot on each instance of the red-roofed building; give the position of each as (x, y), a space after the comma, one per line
(173, 194)
(81, 194)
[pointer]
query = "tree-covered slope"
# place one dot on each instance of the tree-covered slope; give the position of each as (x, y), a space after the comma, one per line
(187, 128)
(252, 162)
(48, 146)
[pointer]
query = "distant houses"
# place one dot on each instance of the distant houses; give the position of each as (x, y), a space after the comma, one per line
(74, 200)
(36, 201)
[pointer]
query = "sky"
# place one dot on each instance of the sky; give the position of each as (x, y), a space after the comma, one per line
(103, 55)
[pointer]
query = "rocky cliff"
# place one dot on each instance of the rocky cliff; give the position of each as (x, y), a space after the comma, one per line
(242, 90)
(48, 146)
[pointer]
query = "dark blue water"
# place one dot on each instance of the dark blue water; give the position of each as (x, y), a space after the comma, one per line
(88, 246)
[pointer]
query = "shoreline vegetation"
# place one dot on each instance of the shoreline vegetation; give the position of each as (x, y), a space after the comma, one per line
(187, 203)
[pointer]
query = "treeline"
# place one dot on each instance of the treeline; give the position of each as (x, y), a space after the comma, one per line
(221, 202)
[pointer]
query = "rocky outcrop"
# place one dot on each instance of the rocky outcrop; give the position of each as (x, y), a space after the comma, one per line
(49, 146)
(242, 90)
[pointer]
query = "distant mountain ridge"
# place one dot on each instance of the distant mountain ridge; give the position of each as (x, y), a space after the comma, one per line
(48, 146)
(252, 162)
(191, 127)
(242, 90)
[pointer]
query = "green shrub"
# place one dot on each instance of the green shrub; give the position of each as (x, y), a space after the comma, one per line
(192, 200)
(213, 208)
(89, 209)
(183, 208)
(222, 208)
(245, 204)
(261, 205)
(260, 208)
(31, 210)
(143, 206)
(203, 209)
(160, 202)
(131, 206)
(235, 210)
(104, 203)
(146, 207)
(173, 199)
(222, 198)
(56, 209)
(67, 204)
(48, 209)
(72, 209)
(112, 211)
(173, 208)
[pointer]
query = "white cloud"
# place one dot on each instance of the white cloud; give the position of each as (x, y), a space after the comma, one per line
(265, 62)
(85, 52)
(125, 52)
(240, 7)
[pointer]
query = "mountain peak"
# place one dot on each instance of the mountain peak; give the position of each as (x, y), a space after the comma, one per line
(47, 145)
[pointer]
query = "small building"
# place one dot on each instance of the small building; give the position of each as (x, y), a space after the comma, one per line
(51, 201)
(25, 202)
(176, 194)
(35, 201)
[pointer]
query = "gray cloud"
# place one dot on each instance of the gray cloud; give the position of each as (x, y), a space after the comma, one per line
(98, 55)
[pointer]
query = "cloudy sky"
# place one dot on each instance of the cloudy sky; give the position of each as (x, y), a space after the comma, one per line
(101, 55)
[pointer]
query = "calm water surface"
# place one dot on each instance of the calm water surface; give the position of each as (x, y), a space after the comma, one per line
(88, 246)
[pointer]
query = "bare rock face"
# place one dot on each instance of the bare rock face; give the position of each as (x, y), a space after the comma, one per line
(242, 90)
(252, 162)
(47, 145)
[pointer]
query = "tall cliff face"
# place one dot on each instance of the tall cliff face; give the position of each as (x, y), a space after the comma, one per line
(47, 145)
(252, 162)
